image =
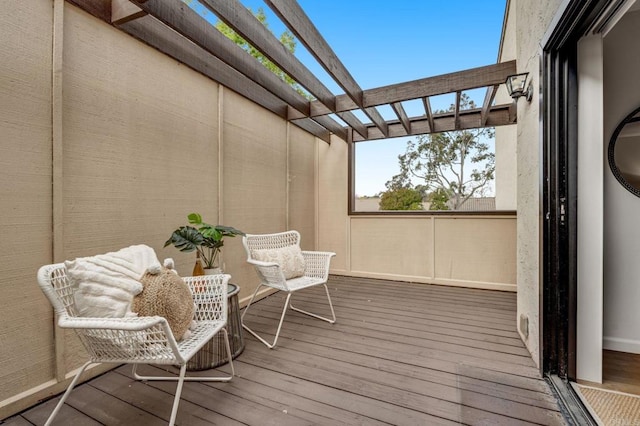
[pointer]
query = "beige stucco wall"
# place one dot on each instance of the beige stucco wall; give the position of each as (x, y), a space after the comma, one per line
(25, 194)
(532, 20)
(506, 136)
(469, 251)
(333, 229)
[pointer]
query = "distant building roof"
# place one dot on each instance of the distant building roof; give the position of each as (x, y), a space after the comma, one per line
(476, 204)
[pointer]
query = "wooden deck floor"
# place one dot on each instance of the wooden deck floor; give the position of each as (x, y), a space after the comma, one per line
(400, 353)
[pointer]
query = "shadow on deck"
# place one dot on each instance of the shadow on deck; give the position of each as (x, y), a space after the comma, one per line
(399, 353)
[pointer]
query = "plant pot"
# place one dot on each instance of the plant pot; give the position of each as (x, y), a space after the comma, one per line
(212, 271)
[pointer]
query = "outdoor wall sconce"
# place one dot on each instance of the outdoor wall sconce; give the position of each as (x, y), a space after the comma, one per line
(517, 86)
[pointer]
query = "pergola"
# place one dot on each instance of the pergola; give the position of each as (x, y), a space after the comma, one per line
(174, 28)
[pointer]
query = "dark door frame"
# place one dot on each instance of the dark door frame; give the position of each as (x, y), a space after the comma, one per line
(559, 124)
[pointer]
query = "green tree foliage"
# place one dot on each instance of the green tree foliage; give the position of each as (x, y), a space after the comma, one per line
(401, 199)
(452, 166)
(438, 200)
(286, 38)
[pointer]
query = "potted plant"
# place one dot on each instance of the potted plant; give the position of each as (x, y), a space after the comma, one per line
(207, 240)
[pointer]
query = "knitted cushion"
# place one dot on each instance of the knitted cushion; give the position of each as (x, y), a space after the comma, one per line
(166, 294)
(289, 258)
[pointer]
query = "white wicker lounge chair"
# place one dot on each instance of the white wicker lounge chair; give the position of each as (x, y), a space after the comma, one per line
(140, 340)
(272, 274)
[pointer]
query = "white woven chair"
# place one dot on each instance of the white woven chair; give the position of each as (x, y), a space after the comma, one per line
(316, 272)
(140, 340)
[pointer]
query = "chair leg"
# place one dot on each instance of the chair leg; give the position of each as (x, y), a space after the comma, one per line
(68, 391)
(333, 314)
(176, 399)
(226, 343)
(249, 304)
(284, 311)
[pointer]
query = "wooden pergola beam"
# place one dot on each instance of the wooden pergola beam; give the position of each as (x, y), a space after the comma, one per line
(468, 119)
(290, 12)
(314, 128)
(446, 83)
(184, 20)
(402, 116)
(155, 34)
(240, 19)
(333, 126)
(353, 121)
(195, 45)
(431, 86)
(181, 18)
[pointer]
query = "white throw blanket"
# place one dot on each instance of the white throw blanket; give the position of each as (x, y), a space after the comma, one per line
(107, 283)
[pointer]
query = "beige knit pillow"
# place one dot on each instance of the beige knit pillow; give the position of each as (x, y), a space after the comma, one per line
(289, 258)
(167, 295)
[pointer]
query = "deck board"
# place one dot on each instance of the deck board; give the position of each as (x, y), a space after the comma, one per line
(399, 353)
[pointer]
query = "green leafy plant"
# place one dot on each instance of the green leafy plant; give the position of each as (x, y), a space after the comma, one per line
(207, 240)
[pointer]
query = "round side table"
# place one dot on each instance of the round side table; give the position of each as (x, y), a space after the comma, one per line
(214, 353)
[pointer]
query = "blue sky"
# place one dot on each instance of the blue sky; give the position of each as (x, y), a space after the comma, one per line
(383, 42)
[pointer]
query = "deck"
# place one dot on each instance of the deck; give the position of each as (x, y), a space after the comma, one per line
(400, 353)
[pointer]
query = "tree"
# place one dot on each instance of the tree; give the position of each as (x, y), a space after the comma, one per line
(401, 199)
(438, 200)
(286, 38)
(453, 166)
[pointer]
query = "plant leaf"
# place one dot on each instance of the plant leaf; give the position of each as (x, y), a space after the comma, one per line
(186, 238)
(195, 218)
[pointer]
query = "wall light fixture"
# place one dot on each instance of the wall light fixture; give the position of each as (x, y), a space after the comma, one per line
(517, 86)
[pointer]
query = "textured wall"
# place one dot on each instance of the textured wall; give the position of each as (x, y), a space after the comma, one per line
(333, 194)
(394, 246)
(26, 341)
(140, 142)
(507, 136)
(255, 179)
(476, 251)
(532, 21)
(302, 185)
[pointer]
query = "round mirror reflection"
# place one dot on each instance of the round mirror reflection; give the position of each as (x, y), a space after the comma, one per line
(624, 153)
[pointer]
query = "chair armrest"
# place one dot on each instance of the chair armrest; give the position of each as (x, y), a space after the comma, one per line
(317, 263)
(270, 274)
(261, 263)
(125, 324)
(126, 339)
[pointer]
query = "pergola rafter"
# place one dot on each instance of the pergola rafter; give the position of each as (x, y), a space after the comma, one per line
(175, 29)
(402, 115)
(242, 21)
(290, 12)
(428, 113)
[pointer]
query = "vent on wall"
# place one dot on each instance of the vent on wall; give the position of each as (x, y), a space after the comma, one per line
(524, 325)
